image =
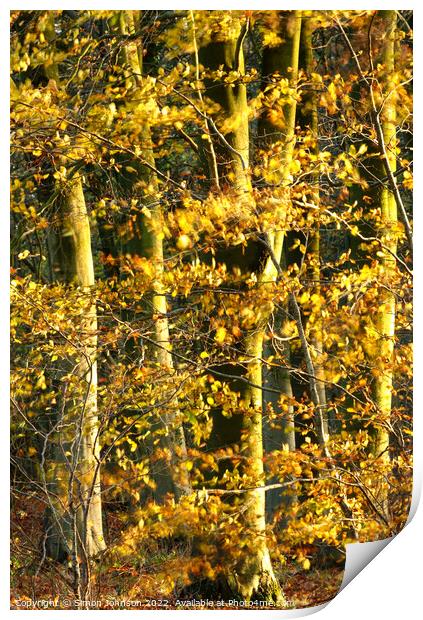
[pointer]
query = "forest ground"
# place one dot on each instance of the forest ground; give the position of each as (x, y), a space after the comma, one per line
(50, 586)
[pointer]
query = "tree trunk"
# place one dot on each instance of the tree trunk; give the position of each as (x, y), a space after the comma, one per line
(73, 478)
(145, 239)
(384, 324)
(253, 577)
(281, 434)
(74, 518)
(308, 118)
(282, 60)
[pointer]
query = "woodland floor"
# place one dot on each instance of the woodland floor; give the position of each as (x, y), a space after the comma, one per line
(50, 588)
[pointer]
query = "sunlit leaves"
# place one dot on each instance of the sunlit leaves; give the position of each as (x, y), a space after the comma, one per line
(141, 146)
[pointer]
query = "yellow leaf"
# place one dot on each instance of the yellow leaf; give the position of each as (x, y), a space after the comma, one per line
(332, 91)
(183, 243)
(146, 212)
(23, 254)
(295, 166)
(306, 564)
(220, 335)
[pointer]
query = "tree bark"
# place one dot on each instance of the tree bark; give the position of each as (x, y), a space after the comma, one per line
(281, 434)
(384, 324)
(308, 118)
(253, 577)
(282, 60)
(74, 519)
(145, 239)
(78, 428)
(74, 528)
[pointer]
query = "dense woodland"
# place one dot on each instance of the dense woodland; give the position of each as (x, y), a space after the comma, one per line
(211, 297)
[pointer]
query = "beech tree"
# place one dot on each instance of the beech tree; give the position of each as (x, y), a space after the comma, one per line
(70, 472)
(144, 239)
